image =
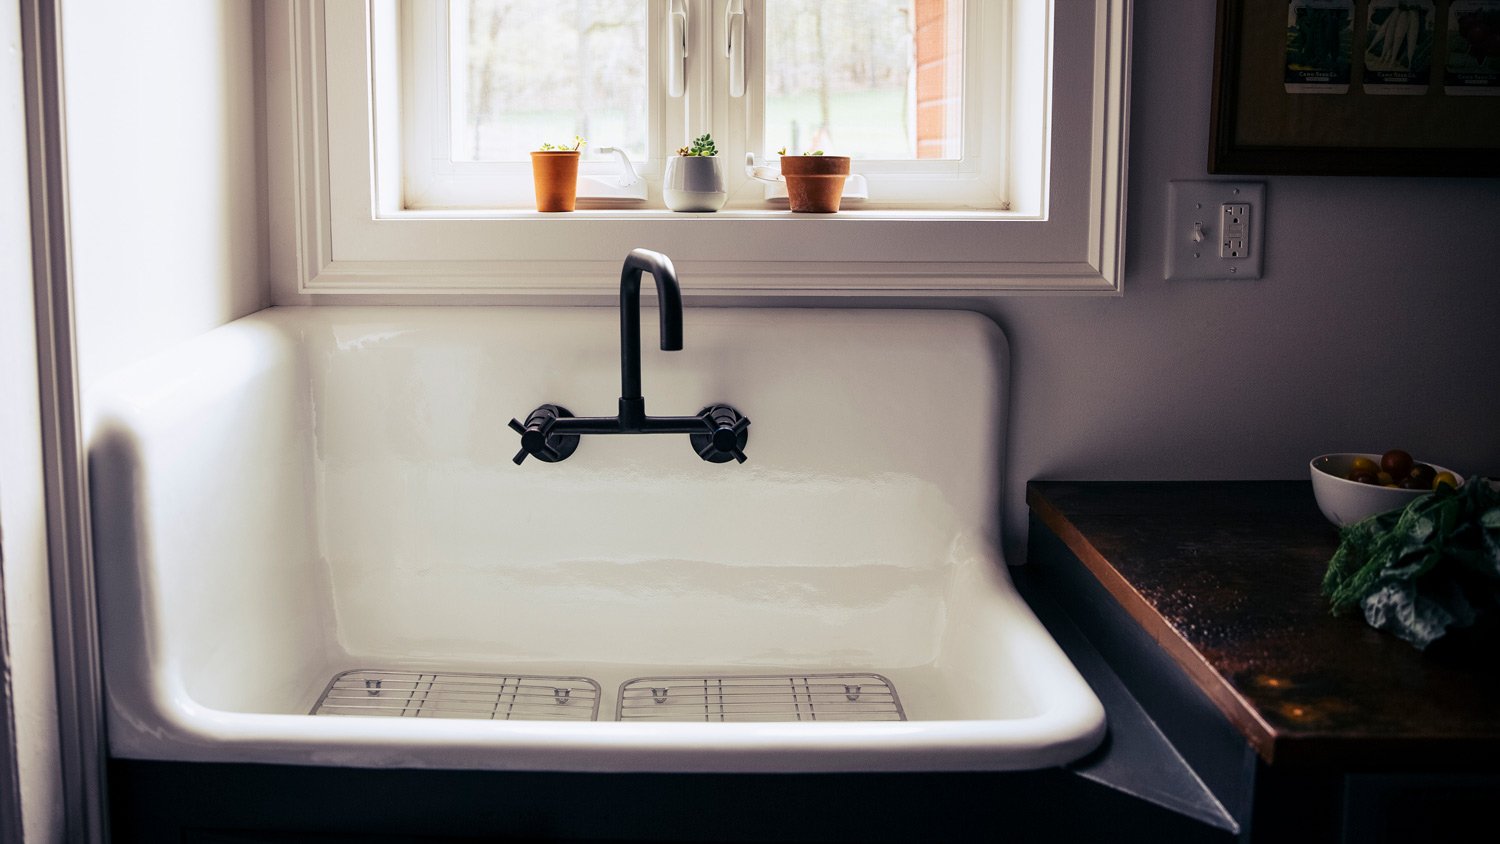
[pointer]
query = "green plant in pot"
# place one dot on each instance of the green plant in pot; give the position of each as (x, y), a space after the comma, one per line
(694, 179)
(554, 172)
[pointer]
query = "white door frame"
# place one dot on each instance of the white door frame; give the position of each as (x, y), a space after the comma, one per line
(10, 772)
(74, 621)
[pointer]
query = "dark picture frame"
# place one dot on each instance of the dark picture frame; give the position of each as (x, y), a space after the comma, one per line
(1257, 127)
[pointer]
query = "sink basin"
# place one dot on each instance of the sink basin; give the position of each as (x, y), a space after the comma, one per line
(315, 505)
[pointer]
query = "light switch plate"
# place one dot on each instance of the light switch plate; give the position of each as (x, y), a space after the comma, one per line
(1195, 229)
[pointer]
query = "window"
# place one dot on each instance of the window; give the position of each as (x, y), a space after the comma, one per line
(487, 81)
(991, 134)
(891, 83)
(879, 80)
(906, 88)
(520, 70)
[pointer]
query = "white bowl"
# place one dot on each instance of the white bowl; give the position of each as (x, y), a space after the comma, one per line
(1345, 502)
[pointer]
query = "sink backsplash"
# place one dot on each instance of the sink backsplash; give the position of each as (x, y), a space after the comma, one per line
(418, 496)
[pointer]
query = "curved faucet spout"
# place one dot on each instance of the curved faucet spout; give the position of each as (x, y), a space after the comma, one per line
(669, 299)
(717, 433)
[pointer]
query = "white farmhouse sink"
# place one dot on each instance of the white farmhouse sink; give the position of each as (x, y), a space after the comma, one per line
(313, 491)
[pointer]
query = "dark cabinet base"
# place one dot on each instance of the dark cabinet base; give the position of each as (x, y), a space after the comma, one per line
(240, 804)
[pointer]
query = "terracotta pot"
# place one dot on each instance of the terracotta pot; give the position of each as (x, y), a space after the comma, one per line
(814, 183)
(555, 174)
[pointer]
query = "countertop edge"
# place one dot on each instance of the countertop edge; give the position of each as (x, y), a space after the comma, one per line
(1056, 504)
(1240, 712)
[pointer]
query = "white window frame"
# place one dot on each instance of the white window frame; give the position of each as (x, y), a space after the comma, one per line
(334, 230)
(432, 180)
(975, 179)
(978, 180)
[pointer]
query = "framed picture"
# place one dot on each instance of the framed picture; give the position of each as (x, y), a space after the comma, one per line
(1357, 87)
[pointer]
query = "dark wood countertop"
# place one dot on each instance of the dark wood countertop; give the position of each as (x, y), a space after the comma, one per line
(1226, 577)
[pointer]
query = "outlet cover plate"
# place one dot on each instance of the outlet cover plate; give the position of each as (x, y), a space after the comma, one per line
(1193, 208)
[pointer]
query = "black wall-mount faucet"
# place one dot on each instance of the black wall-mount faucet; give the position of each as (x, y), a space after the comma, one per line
(718, 433)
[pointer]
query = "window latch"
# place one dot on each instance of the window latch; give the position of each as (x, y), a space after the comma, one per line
(677, 50)
(734, 46)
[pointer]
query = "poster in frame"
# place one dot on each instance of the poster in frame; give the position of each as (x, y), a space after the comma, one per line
(1320, 87)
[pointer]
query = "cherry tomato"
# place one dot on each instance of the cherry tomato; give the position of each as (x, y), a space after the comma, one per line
(1422, 475)
(1397, 462)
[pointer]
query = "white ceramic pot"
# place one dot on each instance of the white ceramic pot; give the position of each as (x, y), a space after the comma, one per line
(694, 183)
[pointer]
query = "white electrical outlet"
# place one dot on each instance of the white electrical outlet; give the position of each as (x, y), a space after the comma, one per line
(1214, 229)
(1234, 228)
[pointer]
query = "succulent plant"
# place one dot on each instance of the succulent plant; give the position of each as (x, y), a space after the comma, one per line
(703, 145)
(578, 144)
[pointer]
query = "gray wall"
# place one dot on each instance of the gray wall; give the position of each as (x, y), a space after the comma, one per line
(1374, 326)
(164, 177)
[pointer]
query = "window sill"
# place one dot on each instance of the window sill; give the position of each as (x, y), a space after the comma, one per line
(737, 252)
(846, 213)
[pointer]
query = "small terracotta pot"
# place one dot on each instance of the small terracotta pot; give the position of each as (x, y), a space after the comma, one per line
(555, 174)
(814, 183)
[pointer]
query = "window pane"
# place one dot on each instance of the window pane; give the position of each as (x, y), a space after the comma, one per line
(873, 79)
(526, 72)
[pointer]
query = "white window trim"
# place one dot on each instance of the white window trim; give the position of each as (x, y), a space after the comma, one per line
(427, 136)
(975, 179)
(334, 234)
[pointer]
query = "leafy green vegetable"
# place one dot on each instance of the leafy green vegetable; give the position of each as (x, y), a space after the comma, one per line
(1423, 570)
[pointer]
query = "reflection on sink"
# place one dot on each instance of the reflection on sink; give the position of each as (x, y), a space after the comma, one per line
(314, 491)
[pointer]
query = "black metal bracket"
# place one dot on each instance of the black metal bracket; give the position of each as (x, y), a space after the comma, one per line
(717, 434)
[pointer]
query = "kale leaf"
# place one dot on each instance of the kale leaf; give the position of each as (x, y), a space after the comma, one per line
(1424, 570)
